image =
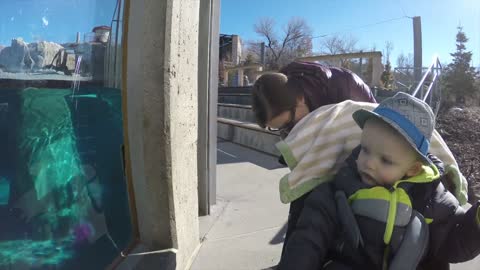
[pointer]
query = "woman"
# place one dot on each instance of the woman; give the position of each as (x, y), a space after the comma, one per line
(280, 100)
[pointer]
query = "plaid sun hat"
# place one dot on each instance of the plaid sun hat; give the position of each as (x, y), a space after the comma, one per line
(410, 116)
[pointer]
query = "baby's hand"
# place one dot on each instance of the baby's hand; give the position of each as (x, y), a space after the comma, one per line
(455, 182)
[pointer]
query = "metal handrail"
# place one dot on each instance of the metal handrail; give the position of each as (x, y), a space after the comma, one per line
(434, 69)
(401, 84)
(436, 62)
(430, 86)
(112, 74)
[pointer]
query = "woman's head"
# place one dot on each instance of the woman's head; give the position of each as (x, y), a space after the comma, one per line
(275, 101)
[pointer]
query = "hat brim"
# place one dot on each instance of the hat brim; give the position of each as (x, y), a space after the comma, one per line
(361, 116)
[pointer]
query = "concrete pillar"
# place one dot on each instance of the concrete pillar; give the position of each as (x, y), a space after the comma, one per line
(160, 114)
(258, 73)
(225, 78)
(208, 68)
(240, 77)
(377, 71)
(337, 62)
(236, 50)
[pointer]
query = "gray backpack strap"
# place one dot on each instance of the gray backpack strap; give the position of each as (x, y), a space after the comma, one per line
(347, 220)
(414, 244)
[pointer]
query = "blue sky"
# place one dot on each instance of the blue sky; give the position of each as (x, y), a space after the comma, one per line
(52, 20)
(60, 20)
(440, 19)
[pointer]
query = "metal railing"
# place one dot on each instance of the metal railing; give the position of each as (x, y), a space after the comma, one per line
(404, 78)
(113, 54)
(428, 89)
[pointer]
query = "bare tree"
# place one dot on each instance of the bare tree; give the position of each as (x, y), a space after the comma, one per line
(254, 49)
(340, 45)
(404, 72)
(387, 77)
(295, 42)
(405, 61)
(388, 50)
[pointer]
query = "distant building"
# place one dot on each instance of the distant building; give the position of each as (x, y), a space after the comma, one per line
(230, 49)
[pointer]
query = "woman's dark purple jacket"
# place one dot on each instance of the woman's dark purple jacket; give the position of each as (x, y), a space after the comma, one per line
(323, 85)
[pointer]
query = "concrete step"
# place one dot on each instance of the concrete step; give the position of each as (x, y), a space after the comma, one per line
(232, 98)
(248, 134)
(237, 112)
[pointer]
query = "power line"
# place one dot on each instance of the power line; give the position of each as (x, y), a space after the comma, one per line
(363, 26)
(403, 11)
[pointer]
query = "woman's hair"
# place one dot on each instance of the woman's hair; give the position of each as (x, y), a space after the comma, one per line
(272, 96)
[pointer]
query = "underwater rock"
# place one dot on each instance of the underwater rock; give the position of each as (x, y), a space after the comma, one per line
(16, 58)
(21, 56)
(43, 52)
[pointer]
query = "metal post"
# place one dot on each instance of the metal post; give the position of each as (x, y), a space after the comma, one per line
(417, 50)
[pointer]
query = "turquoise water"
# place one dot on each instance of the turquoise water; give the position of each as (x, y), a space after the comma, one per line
(63, 198)
(4, 191)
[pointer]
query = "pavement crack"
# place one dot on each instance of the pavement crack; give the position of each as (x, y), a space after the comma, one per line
(245, 234)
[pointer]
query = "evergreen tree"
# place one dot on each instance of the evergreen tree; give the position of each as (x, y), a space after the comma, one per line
(459, 77)
(387, 76)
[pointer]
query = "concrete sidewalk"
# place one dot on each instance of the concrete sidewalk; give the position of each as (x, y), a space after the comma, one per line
(247, 226)
(248, 223)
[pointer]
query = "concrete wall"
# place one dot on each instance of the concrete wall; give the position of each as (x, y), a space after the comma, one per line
(249, 135)
(181, 88)
(161, 117)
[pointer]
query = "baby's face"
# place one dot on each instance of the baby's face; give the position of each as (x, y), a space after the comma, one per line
(385, 156)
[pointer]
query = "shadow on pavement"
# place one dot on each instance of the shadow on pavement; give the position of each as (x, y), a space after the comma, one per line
(228, 152)
(280, 236)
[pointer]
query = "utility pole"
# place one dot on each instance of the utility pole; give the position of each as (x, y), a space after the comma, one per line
(262, 53)
(417, 49)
